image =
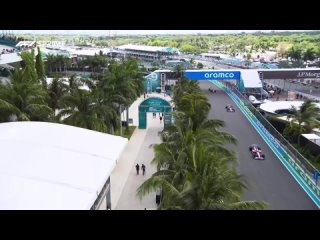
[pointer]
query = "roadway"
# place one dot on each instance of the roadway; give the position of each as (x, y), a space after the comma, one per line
(268, 180)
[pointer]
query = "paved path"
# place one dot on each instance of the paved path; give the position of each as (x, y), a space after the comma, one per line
(124, 180)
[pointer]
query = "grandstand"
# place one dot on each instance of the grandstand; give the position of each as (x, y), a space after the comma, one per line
(146, 53)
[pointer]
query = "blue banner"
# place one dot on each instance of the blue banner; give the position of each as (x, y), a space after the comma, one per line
(212, 75)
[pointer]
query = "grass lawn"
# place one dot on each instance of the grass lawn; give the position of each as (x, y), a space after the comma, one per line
(124, 133)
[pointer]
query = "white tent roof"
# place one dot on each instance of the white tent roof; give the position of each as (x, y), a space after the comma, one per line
(9, 58)
(13, 57)
(251, 79)
(311, 136)
(142, 48)
(271, 107)
(88, 51)
(54, 166)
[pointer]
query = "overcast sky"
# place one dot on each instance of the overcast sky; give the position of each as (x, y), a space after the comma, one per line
(136, 32)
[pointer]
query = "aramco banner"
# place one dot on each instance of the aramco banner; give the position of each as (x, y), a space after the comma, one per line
(212, 75)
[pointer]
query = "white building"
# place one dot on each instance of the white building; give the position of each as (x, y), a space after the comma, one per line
(54, 166)
(146, 53)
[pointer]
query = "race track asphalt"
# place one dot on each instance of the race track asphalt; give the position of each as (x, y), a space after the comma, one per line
(268, 180)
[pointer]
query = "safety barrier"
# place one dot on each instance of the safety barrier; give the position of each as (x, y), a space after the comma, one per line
(299, 167)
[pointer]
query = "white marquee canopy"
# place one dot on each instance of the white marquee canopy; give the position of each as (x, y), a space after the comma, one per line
(54, 166)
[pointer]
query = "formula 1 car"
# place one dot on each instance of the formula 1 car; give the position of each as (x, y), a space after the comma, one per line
(212, 90)
(229, 108)
(256, 152)
(258, 156)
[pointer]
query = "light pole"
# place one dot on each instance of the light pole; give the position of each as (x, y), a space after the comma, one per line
(120, 129)
(261, 79)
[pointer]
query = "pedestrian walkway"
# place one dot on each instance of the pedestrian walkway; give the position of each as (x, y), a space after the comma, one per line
(124, 180)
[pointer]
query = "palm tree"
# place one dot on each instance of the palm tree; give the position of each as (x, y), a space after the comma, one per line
(29, 66)
(40, 69)
(9, 111)
(180, 136)
(134, 81)
(26, 96)
(73, 83)
(195, 106)
(113, 90)
(208, 184)
(66, 63)
(309, 54)
(121, 85)
(81, 108)
(195, 169)
(179, 71)
(184, 86)
(305, 119)
(175, 156)
(56, 90)
(60, 61)
(295, 53)
(50, 63)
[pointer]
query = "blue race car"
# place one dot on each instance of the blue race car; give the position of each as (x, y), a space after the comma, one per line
(229, 108)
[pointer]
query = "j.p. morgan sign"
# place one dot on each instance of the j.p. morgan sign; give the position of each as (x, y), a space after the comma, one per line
(212, 75)
(290, 74)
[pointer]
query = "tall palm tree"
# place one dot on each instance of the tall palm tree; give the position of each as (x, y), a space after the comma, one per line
(66, 63)
(121, 84)
(109, 92)
(50, 63)
(195, 106)
(80, 108)
(175, 156)
(39, 65)
(305, 118)
(56, 90)
(29, 66)
(60, 61)
(182, 134)
(135, 81)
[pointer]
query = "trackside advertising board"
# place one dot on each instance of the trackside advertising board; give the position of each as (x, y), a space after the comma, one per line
(212, 75)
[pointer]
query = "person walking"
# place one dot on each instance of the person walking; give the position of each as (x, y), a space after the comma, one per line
(143, 167)
(160, 119)
(137, 168)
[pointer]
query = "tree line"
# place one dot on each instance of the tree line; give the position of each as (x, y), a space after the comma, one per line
(94, 104)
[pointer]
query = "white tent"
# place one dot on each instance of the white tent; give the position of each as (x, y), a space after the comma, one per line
(312, 137)
(54, 166)
(251, 79)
